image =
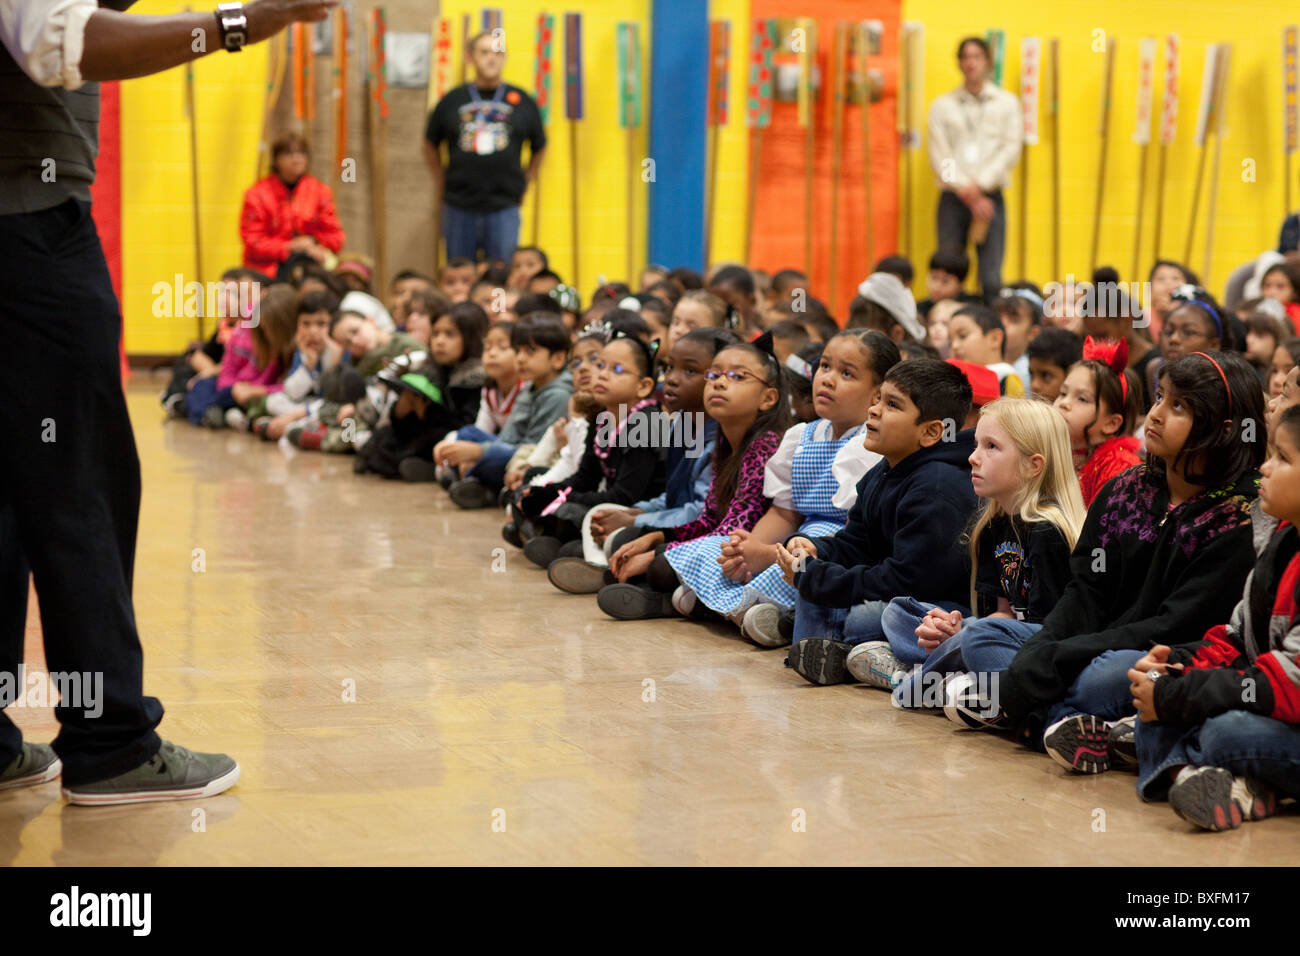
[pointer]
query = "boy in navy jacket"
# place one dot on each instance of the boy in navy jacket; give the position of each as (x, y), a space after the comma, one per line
(902, 535)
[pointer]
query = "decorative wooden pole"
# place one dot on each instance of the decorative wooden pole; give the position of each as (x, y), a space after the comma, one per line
(1054, 114)
(865, 31)
(1031, 75)
(340, 90)
(542, 72)
(1142, 136)
(1221, 66)
(1289, 144)
(573, 113)
(835, 102)
(1168, 129)
(1204, 125)
(719, 67)
(629, 117)
(807, 56)
(377, 100)
(1108, 85)
(276, 64)
(192, 120)
(758, 115)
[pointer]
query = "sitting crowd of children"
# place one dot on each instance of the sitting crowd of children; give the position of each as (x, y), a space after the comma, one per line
(1071, 521)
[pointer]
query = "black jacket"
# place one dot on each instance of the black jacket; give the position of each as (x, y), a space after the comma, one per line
(901, 539)
(1141, 575)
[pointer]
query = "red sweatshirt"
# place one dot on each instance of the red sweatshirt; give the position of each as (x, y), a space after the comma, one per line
(273, 215)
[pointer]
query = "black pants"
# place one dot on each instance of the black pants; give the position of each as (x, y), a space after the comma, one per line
(69, 487)
(954, 222)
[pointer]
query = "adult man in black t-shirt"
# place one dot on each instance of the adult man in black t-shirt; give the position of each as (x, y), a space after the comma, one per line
(484, 125)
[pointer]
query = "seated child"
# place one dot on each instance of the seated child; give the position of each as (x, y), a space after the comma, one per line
(422, 310)
(689, 469)
(883, 303)
(976, 335)
(1028, 522)
(696, 310)
(811, 479)
(1101, 402)
(945, 280)
(1217, 734)
(900, 538)
(255, 360)
(1020, 307)
(1166, 547)
(316, 353)
(624, 457)
(541, 345)
(744, 395)
(433, 399)
(456, 277)
(1051, 353)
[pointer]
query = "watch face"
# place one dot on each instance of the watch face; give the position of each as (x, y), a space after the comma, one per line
(236, 39)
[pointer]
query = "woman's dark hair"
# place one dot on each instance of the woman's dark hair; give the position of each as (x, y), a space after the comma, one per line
(727, 461)
(1226, 454)
(883, 354)
(472, 323)
(735, 277)
(1106, 386)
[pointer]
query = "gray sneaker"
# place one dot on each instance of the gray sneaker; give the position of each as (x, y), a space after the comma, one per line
(173, 773)
(35, 764)
(873, 663)
(764, 625)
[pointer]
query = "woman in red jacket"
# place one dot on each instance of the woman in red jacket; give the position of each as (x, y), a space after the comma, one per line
(288, 211)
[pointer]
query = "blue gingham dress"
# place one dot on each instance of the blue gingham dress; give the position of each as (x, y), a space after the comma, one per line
(812, 488)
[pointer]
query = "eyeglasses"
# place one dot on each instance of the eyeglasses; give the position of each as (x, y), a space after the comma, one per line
(615, 368)
(577, 363)
(734, 374)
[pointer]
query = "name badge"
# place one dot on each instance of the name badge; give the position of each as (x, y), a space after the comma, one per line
(970, 154)
(484, 142)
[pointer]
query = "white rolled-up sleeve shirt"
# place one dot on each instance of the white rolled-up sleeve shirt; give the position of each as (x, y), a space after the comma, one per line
(975, 139)
(46, 38)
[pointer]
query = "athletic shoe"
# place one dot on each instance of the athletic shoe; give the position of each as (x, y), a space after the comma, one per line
(1213, 799)
(1080, 743)
(684, 600)
(446, 477)
(873, 663)
(236, 419)
(214, 417)
(35, 764)
(542, 550)
(1123, 744)
(628, 602)
(173, 773)
(470, 493)
(417, 469)
(308, 439)
(819, 660)
(172, 403)
(768, 625)
(575, 575)
(963, 705)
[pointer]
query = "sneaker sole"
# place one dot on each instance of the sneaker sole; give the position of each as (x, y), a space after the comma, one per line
(819, 661)
(1206, 801)
(576, 576)
(35, 779)
(1081, 744)
(210, 789)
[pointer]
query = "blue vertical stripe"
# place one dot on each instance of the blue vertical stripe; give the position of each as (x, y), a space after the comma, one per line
(679, 79)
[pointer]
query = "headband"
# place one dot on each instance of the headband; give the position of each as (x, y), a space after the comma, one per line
(353, 265)
(1111, 353)
(1187, 295)
(1208, 358)
(1026, 294)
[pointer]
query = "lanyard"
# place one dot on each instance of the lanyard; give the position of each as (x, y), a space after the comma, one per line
(477, 99)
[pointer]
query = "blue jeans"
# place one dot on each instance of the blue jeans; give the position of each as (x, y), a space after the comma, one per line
(954, 222)
(491, 468)
(1247, 744)
(466, 232)
(852, 625)
(1101, 689)
(899, 622)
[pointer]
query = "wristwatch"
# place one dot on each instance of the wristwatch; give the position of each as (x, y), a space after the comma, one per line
(233, 25)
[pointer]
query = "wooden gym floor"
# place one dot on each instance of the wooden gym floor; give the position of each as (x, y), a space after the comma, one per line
(499, 721)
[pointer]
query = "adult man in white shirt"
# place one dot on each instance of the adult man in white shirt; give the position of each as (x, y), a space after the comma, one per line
(69, 473)
(975, 136)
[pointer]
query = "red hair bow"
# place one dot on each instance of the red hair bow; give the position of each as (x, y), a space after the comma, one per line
(1112, 353)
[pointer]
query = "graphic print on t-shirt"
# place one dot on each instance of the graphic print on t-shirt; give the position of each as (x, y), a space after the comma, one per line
(1011, 565)
(484, 127)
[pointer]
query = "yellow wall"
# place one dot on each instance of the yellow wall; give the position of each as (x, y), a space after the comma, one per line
(1249, 214)
(602, 143)
(727, 241)
(157, 219)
